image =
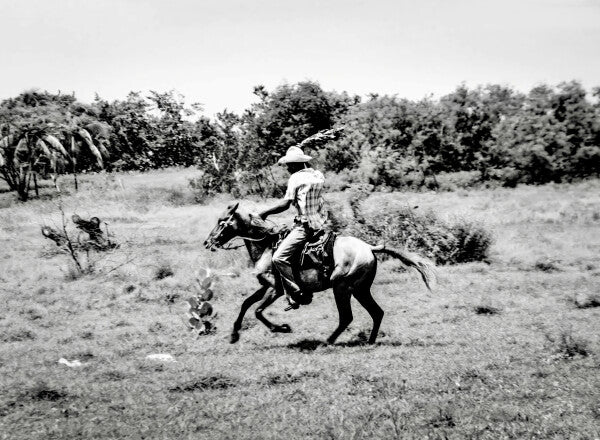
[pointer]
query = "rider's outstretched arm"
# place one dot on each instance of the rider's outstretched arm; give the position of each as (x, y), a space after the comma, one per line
(283, 205)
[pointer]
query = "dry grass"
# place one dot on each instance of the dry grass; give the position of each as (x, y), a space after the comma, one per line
(440, 368)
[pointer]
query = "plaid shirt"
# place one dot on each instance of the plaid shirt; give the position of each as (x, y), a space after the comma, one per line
(304, 190)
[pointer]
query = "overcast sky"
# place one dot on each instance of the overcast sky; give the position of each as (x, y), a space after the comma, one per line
(215, 51)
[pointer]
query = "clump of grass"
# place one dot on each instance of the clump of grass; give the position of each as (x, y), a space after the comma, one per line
(486, 309)
(287, 378)
(461, 241)
(35, 313)
(163, 271)
(205, 383)
(87, 335)
(43, 290)
(129, 288)
(568, 346)
(17, 334)
(171, 297)
(155, 327)
(145, 198)
(48, 394)
(178, 196)
(472, 242)
(443, 419)
(114, 375)
(587, 302)
(546, 265)
(72, 273)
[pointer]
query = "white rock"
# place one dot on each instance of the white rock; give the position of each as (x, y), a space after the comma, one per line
(71, 364)
(163, 357)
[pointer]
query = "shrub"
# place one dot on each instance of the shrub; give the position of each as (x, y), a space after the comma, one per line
(546, 265)
(472, 242)
(458, 180)
(486, 309)
(445, 243)
(270, 182)
(568, 346)
(163, 271)
(507, 176)
(587, 301)
(338, 181)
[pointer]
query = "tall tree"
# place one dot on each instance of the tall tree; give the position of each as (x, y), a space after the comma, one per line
(27, 152)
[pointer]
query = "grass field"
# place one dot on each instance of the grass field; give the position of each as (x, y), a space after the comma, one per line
(508, 349)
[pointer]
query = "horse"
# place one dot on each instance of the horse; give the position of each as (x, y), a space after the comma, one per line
(354, 269)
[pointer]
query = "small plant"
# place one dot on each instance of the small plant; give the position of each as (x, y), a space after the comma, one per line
(43, 392)
(587, 302)
(163, 271)
(568, 346)
(472, 242)
(217, 382)
(444, 418)
(486, 309)
(546, 265)
(90, 238)
(200, 308)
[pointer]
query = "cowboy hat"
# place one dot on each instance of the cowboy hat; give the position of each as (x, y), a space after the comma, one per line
(294, 154)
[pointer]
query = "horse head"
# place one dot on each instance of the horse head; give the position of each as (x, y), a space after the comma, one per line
(228, 227)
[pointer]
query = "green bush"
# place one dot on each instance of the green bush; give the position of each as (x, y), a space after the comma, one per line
(507, 176)
(270, 182)
(444, 242)
(458, 180)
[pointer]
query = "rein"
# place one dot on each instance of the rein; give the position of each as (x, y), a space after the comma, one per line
(239, 237)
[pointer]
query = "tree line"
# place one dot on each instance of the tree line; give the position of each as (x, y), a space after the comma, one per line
(489, 134)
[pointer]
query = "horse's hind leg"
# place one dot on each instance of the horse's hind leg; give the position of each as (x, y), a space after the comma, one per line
(365, 298)
(237, 325)
(272, 295)
(342, 301)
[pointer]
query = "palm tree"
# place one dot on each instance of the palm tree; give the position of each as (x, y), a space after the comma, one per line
(78, 140)
(27, 152)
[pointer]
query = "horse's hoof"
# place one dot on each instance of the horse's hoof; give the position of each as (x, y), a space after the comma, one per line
(234, 338)
(283, 328)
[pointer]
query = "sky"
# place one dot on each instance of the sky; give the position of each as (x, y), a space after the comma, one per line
(215, 51)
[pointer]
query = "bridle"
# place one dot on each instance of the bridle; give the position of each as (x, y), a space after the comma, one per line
(221, 227)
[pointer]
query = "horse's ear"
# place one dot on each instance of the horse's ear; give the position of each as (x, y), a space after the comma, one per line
(233, 207)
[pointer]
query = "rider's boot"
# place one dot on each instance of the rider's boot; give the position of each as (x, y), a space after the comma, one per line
(292, 303)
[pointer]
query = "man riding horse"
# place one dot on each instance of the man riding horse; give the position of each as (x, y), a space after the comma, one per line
(304, 189)
(350, 266)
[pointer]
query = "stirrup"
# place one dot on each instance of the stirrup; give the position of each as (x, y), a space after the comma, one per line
(292, 305)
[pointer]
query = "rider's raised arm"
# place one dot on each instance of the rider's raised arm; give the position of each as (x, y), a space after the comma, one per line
(281, 206)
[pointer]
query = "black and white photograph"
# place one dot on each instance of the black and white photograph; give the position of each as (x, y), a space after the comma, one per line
(299, 219)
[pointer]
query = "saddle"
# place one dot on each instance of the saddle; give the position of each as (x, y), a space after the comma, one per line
(317, 252)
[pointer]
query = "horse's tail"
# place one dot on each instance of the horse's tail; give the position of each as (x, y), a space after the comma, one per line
(423, 266)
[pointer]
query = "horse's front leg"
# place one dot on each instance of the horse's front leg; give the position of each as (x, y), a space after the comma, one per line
(248, 302)
(272, 295)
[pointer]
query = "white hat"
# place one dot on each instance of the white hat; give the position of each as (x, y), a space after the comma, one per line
(294, 154)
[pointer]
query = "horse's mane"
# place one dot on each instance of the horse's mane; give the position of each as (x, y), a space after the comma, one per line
(257, 224)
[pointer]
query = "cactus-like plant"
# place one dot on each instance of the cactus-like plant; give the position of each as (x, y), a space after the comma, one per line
(201, 310)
